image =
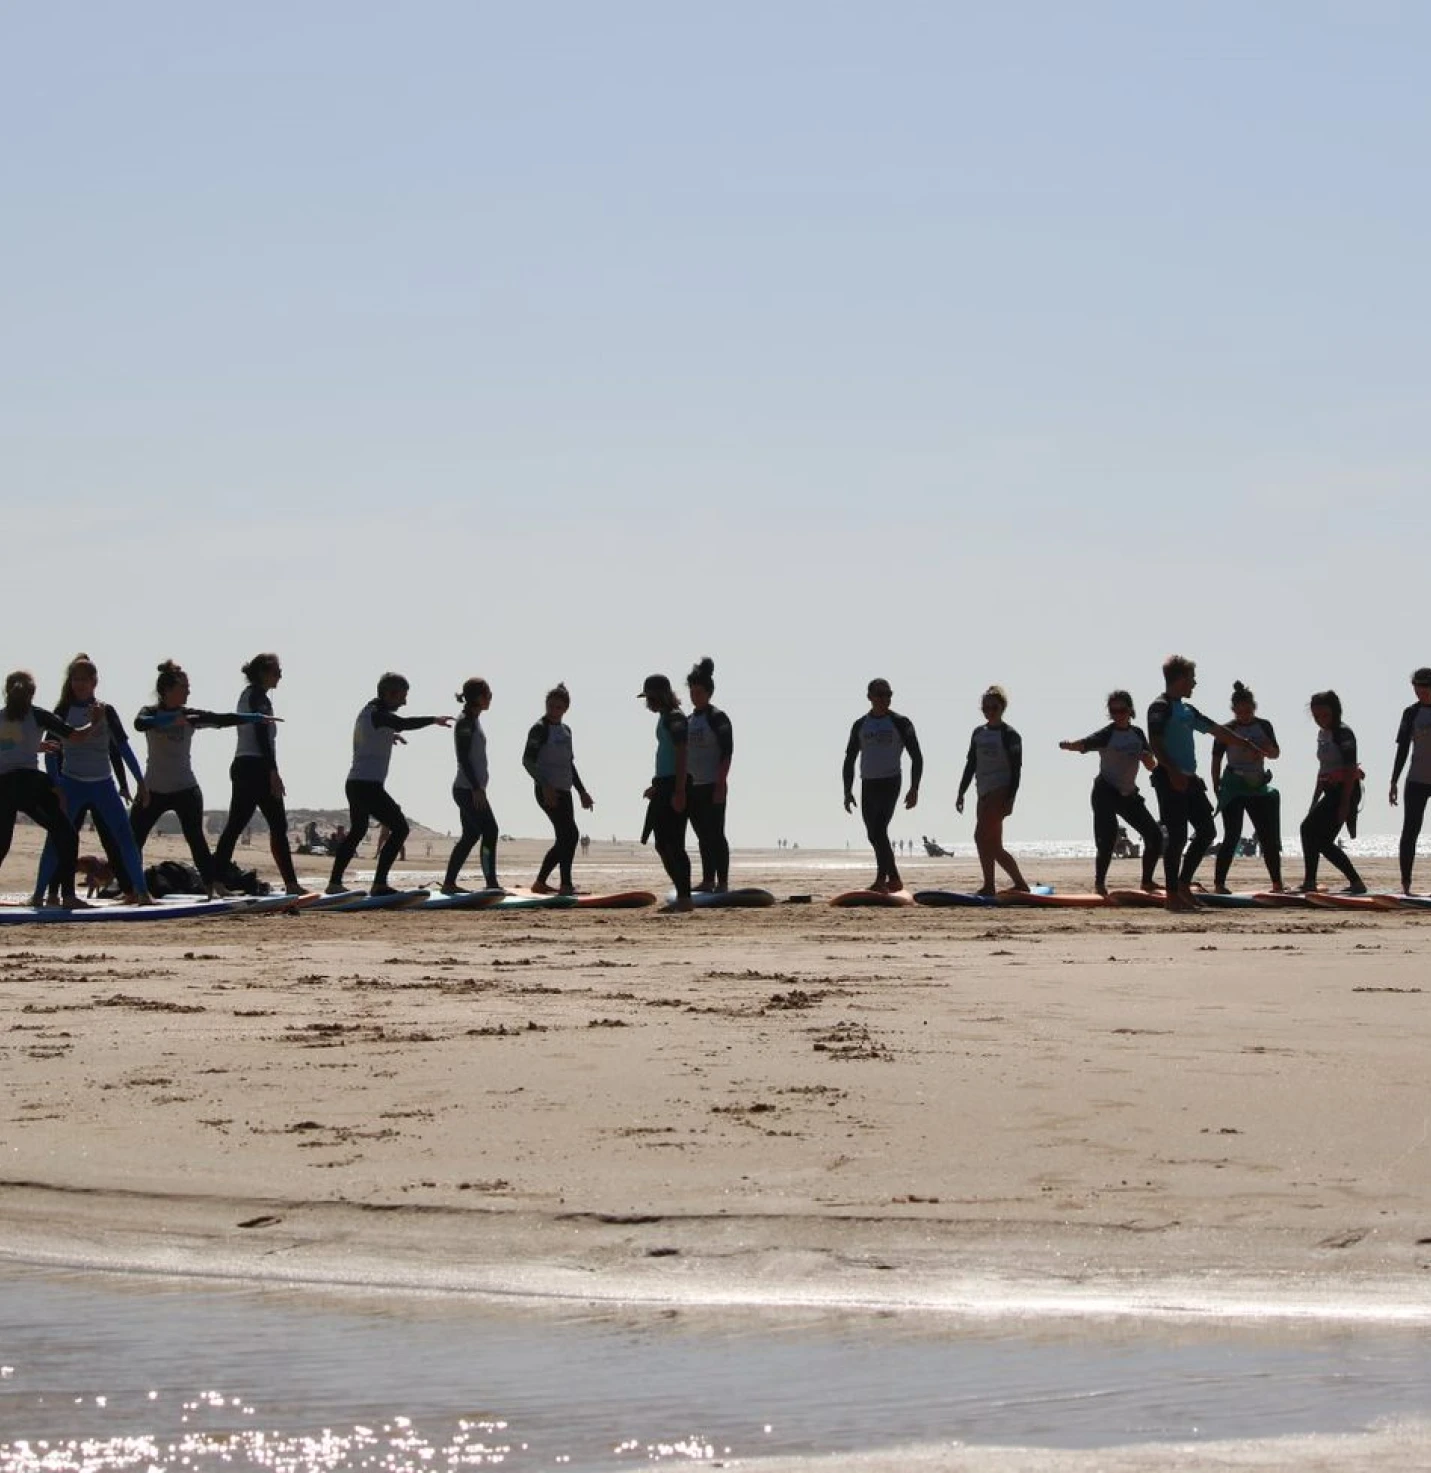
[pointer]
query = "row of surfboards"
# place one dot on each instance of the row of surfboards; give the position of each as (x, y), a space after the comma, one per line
(179, 907)
(1044, 896)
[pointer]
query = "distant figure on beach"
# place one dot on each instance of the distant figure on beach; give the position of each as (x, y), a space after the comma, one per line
(585, 844)
(1245, 788)
(551, 764)
(1413, 739)
(255, 777)
(1335, 799)
(1125, 848)
(710, 746)
(170, 785)
(1122, 748)
(668, 796)
(1182, 794)
(469, 789)
(377, 729)
(27, 730)
(995, 765)
(879, 740)
(84, 769)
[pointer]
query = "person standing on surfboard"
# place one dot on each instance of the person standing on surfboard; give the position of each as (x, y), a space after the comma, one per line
(1413, 739)
(254, 774)
(710, 745)
(550, 762)
(84, 770)
(1245, 788)
(668, 796)
(1182, 795)
(24, 729)
(1122, 748)
(469, 788)
(994, 764)
(1336, 798)
(375, 731)
(879, 740)
(170, 785)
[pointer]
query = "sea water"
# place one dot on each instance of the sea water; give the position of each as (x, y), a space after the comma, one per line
(109, 1372)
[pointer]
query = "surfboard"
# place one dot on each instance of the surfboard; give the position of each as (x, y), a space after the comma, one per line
(1329, 900)
(330, 902)
(467, 900)
(1280, 897)
(1214, 901)
(1040, 896)
(747, 899)
(1412, 902)
(534, 902)
(621, 900)
(398, 900)
(259, 904)
(1141, 898)
(951, 897)
(101, 912)
(873, 897)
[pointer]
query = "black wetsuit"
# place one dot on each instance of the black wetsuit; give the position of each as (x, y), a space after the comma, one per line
(1115, 796)
(548, 758)
(1239, 797)
(169, 776)
(1338, 773)
(252, 772)
(374, 733)
(469, 792)
(25, 789)
(878, 742)
(1413, 740)
(710, 746)
(666, 826)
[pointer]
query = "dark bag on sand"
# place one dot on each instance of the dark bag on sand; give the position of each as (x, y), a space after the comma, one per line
(173, 877)
(242, 881)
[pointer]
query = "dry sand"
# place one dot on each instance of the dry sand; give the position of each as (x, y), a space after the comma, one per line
(1100, 1112)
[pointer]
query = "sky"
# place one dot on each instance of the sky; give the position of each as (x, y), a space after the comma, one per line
(949, 342)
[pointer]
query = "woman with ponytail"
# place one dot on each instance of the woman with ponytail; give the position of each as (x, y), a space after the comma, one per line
(169, 782)
(469, 788)
(85, 772)
(24, 729)
(254, 774)
(551, 764)
(1245, 788)
(709, 745)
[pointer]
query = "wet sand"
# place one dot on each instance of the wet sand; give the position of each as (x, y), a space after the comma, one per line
(999, 1113)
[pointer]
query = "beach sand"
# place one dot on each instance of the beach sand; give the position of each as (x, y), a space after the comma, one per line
(994, 1113)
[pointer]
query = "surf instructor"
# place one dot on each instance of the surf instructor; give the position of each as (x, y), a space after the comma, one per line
(879, 740)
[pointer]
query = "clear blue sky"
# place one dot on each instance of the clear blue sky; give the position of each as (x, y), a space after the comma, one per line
(948, 342)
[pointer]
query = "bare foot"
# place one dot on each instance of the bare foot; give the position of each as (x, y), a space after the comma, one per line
(540, 887)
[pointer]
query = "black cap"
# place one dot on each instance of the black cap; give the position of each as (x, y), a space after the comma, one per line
(654, 685)
(878, 687)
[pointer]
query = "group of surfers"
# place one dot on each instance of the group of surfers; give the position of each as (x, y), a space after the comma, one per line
(88, 762)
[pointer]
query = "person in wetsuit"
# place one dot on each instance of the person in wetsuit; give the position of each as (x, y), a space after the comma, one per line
(1245, 788)
(26, 730)
(551, 764)
(89, 773)
(170, 785)
(1182, 794)
(879, 740)
(667, 798)
(254, 774)
(1336, 797)
(1122, 748)
(469, 789)
(1413, 740)
(710, 746)
(994, 764)
(377, 728)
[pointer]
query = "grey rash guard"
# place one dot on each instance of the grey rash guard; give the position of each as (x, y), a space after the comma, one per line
(1413, 739)
(20, 738)
(709, 743)
(256, 738)
(550, 758)
(169, 767)
(374, 733)
(1120, 755)
(995, 760)
(880, 742)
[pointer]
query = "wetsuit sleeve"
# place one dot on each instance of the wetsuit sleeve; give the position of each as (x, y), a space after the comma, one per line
(462, 740)
(1158, 715)
(970, 762)
(1403, 742)
(1099, 739)
(394, 722)
(221, 718)
(1142, 737)
(905, 727)
(1200, 722)
(1271, 735)
(576, 781)
(536, 739)
(676, 727)
(724, 735)
(1014, 749)
(51, 724)
(151, 716)
(852, 750)
(1345, 739)
(120, 750)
